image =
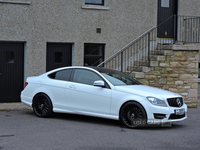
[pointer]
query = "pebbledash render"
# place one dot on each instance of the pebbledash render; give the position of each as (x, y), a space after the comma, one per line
(113, 24)
(38, 22)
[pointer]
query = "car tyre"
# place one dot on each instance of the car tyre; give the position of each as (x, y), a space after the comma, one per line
(133, 115)
(42, 105)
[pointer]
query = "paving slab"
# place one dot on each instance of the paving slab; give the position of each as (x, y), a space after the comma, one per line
(13, 106)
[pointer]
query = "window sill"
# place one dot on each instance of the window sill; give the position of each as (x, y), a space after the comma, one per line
(95, 7)
(23, 2)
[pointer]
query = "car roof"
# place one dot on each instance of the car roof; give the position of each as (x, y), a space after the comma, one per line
(99, 69)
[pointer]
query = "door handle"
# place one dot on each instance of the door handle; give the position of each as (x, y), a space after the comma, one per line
(72, 86)
(0, 73)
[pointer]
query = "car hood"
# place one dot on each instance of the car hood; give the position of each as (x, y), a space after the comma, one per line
(146, 91)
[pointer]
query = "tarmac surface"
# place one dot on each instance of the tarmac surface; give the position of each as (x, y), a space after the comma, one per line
(22, 130)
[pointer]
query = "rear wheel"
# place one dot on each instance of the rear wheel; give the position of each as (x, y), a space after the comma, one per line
(42, 105)
(133, 115)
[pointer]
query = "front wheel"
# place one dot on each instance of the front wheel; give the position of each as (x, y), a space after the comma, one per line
(133, 115)
(42, 105)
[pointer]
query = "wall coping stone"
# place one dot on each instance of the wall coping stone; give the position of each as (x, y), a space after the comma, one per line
(186, 47)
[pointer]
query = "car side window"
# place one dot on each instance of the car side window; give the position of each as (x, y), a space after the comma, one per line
(85, 76)
(61, 75)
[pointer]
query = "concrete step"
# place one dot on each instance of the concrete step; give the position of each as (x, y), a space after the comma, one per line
(141, 63)
(156, 52)
(163, 52)
(135, 68)
(158, 58)
(168, 52)
(164, 46)
(138, 69)
(139, 75)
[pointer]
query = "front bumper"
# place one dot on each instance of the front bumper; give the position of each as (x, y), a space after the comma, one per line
(157, 114)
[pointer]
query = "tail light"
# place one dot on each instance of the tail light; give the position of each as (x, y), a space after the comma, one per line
(25, 85)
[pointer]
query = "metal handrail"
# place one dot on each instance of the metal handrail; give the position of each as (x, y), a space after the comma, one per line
(126, 46)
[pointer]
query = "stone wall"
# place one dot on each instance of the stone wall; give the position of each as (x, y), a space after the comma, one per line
(176, 70)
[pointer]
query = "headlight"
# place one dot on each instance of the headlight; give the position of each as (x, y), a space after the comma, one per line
(156, 101)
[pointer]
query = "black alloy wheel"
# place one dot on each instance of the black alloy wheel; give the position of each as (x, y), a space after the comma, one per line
(133, 115)
(42, 105)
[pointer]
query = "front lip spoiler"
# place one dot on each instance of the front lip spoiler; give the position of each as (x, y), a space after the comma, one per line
(163, 121)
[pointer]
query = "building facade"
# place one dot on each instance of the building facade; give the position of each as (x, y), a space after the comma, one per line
(37, 36)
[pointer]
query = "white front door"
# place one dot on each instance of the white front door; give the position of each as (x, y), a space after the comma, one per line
(82, 96)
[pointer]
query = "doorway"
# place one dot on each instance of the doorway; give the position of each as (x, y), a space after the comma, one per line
(58, 55)
(165, 22)
(11, 71)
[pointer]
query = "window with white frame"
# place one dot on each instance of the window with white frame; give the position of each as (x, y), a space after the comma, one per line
(94, 2)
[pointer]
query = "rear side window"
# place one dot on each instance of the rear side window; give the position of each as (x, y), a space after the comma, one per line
(85, 76)
(61, 75)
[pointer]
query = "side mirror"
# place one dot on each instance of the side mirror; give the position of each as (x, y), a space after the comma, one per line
(99, 83)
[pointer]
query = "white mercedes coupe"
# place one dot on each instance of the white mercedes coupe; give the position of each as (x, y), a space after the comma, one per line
(101, 92)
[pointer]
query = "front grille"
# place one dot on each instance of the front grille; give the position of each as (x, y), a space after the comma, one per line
(173, 116)
(175, 102)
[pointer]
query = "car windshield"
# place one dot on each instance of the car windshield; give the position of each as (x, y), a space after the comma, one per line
(118, 78)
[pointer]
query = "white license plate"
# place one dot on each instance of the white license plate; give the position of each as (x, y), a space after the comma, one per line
(179, 111)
